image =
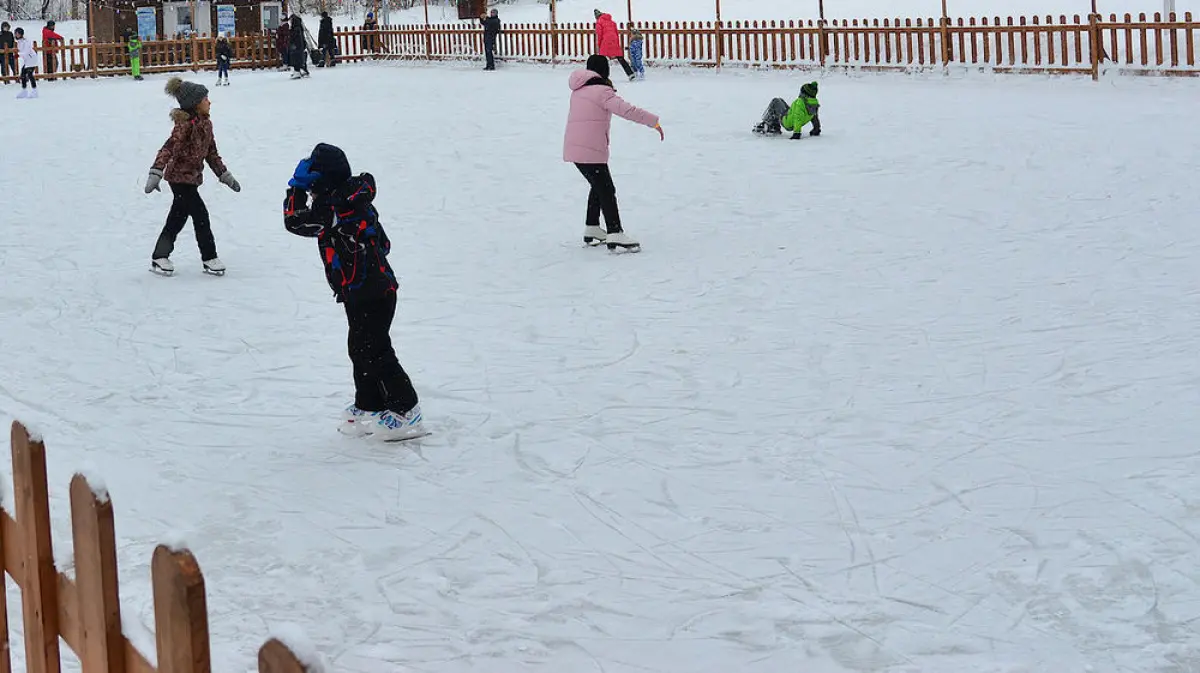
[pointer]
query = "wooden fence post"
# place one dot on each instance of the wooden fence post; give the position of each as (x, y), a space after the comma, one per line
(275, 657)
(180, 613)
(946, 44)
(102, 650)
(39, 595)
(1094, 45)
(5, 658)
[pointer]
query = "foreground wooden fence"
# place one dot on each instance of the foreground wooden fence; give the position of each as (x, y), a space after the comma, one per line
(86, 611)
(1094, 44)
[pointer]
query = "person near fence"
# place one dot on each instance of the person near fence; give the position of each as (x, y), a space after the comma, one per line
(608, 41)
(29, 65)
(779, 115)
(8, 52)
(283, 44)
(135, 56)
(491, 31)
(637, 49)
(594, 101)
(224, 60)
(50, 41)
(354, 250)
(370, 27)
(326, 40)
(181, 163)
(299, 48)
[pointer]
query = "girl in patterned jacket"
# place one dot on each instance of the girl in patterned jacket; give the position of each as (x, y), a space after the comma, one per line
(181, 162)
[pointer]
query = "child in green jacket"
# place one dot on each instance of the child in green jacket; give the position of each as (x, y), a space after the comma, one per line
(780, 115)
(135, 56)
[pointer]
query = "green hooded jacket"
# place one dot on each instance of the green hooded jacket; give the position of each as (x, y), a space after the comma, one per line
(135, 48)
(802, 112)
(803, 109)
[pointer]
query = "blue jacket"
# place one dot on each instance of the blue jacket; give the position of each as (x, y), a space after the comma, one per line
(352, 242)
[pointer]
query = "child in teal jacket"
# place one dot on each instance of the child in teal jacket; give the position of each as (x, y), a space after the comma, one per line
(779, 115)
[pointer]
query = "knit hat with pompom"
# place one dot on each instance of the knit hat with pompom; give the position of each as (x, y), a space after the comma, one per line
(189, 94)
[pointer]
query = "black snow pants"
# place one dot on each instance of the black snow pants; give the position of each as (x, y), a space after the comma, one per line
(624, 65)
(380, 383)
(187, 203)
(602, 198)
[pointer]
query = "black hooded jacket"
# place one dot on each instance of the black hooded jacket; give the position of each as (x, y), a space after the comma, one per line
(343, 219)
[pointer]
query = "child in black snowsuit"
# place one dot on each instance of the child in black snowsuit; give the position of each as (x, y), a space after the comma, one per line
(354, 249)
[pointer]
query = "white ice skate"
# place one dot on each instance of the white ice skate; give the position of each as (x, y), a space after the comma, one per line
(394, 427)
(162, 266)
(621, 242)
(357, 422)
(594, 235)
(215, 267)
(24, 93)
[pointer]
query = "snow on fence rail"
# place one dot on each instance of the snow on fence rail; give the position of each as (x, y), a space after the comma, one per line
(86, 611)
(1067, 45)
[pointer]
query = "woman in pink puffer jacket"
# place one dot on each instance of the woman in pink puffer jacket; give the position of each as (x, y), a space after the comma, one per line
(593, 103)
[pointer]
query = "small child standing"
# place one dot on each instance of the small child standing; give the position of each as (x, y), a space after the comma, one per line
(637, 46)
(181, 161)
(779, 115)
(135, 57)
(354, 250)
(224, 57)
(29, 65)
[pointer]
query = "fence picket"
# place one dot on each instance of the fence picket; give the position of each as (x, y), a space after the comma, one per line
(39, 598)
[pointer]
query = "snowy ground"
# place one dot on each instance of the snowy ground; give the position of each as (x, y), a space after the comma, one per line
(915, 396)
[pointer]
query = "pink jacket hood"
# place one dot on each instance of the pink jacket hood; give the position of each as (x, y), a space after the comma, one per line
(590, 118)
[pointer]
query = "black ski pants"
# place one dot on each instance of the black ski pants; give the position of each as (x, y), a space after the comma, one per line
(27, 78)
(489, 51)
(624, 65)
(187, 203)
(602, 198)
(380, 383)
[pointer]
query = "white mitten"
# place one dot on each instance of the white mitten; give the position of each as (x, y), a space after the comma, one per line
(229, 181)
(152, 181)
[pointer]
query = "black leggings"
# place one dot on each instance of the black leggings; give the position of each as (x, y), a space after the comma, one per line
(380, 383)
(624, 65)
(27, 78)
(602, 198)
(187, 203)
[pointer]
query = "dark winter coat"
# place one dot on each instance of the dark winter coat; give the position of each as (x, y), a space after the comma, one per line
(491, 28)
(299, 46)
(283, 38)
(350, 239)
(190, 146)
(224, 51)
(7, 40)
(325, 32)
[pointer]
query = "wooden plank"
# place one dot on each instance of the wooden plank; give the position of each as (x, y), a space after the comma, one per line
(39, 597)
(275, 657)
(180, 613)
(5, 542)
(99, 597)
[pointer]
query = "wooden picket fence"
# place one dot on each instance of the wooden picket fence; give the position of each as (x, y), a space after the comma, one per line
(86, 611)
(1092, 44)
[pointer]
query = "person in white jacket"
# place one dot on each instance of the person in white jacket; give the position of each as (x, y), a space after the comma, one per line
(29, 65)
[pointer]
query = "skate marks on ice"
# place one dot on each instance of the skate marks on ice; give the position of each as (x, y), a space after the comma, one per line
(840, 419)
